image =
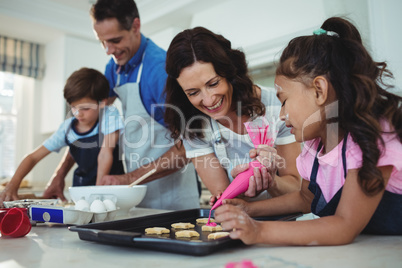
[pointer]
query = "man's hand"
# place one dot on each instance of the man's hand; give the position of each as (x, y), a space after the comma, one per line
(115, 180)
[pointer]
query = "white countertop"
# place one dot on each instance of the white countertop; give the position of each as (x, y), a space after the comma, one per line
(55, 246)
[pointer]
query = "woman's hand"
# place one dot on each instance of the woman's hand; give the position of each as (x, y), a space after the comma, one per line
(269, 158)
(243, 227)
(213, 199)
(265, 178)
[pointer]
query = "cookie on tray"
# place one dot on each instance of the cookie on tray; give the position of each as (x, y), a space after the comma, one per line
(187, 233)
(206, 228)
(204, 220)
(218, 235)
(157, 230)
(182, 225)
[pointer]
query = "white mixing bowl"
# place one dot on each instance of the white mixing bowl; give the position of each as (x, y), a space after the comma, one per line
(124, 196)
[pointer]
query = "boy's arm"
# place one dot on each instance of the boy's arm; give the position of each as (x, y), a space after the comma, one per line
(55, 186)
(11, 191)
(105, 157)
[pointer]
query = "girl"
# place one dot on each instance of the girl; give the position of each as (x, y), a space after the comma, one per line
(209, 97)
(334, 99)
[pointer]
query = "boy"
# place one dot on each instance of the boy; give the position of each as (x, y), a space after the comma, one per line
(86, 91)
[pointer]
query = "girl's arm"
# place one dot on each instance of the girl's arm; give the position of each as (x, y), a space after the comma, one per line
(27, 164)
(211, 173)
(297, 201)
(354, 211)
(105, 157)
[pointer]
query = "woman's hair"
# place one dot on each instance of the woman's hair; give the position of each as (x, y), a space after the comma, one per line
(125, 11)
(86, 83)
(202, 45)
(363, 99)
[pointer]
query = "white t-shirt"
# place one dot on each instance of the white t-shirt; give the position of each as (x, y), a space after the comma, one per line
(111, 122)
(238, 146)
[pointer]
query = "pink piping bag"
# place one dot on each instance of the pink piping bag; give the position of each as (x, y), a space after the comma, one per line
(259, 135)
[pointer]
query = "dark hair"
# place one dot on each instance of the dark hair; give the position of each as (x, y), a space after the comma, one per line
(363, 99)
(125, 11)
(85, 83)
(200, 44)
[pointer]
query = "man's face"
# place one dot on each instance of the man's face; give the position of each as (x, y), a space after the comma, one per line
(120, 43)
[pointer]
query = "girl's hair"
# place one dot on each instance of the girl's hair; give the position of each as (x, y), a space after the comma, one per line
(363, 99)
(200, 44)
(125, 11)
(86, 83)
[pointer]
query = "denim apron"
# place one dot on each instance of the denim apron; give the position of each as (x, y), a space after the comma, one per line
(386, 220)
(145, 140)
(85, 152)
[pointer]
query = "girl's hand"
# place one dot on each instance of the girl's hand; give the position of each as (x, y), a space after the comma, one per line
(243, 227)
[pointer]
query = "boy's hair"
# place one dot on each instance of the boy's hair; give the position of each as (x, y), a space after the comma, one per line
(338, 54)
(125, 11)
(200, 44)
(86, 83)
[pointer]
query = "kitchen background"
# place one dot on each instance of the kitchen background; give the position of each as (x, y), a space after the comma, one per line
(32, 109)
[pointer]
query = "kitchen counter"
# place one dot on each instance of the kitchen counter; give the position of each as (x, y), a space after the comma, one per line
(53, 245)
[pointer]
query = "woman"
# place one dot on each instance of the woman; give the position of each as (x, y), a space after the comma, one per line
(209, 97)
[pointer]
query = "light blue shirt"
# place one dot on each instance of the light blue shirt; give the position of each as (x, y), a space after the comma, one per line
(111, 122)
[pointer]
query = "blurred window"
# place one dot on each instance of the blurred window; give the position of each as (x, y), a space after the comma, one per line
(8, 123)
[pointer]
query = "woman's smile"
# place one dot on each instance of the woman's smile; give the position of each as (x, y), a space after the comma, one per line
(216, 106)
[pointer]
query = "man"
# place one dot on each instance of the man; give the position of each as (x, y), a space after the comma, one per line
(137, 77)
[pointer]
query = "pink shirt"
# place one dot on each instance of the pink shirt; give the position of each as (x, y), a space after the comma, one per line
(330, 176)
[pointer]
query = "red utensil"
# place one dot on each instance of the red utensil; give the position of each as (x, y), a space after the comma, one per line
(15, 223)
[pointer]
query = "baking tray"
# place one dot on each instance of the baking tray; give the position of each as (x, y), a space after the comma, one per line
(131, 232)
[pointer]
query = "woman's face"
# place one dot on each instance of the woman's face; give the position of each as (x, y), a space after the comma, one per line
(207, 91)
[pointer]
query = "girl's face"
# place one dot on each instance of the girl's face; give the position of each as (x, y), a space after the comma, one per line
(299, 109)
(85, 111)
(207, 91)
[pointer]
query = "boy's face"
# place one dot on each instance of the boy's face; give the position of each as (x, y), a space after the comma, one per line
(86, 111)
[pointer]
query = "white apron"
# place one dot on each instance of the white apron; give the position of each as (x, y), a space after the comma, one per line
(145, 140)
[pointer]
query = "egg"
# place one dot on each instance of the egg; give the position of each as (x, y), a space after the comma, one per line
(97, 206)
(82, 205)
(109, 204)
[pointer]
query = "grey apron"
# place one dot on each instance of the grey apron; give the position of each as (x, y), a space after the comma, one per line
(145, 140)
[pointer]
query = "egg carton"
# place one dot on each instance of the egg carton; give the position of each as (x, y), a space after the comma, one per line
(67, 215)
(103, 206)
